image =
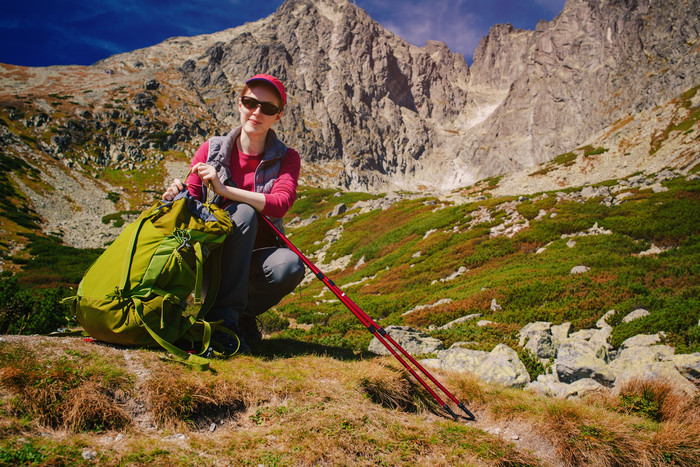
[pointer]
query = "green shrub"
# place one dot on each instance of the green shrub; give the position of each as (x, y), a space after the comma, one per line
(113, 197)
(532, 363)
(30, 311)
(21, 453)
(117, 218)
(53, 264)
(273, 322)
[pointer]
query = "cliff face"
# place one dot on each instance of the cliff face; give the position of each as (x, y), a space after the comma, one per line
(362, 99)
(593, 64)
(366, 110)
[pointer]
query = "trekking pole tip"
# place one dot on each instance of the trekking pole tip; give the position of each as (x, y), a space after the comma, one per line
(449, 410)
(469, 414)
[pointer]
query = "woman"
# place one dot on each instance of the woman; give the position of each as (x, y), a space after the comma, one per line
(251, 172)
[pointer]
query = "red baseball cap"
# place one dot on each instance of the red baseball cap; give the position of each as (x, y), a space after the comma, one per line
(277, 84)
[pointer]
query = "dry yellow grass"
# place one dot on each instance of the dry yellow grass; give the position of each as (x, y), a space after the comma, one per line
(64, 396)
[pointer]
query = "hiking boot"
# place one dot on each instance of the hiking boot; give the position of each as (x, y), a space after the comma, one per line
(230, 344)
(248, 329)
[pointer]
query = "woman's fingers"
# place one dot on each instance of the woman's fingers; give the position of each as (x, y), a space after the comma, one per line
(172, 191)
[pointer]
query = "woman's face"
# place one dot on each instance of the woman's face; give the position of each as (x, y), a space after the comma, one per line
(255, 122)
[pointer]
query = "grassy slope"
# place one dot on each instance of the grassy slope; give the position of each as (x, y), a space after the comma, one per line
(72, 399)
(315, 397)
(529, 286)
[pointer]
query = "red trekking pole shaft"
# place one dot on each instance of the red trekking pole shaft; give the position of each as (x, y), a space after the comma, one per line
(376, 330)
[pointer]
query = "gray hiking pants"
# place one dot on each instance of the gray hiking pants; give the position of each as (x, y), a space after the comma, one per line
(252, 281)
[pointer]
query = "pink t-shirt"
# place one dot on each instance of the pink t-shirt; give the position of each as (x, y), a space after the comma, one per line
(242, 166)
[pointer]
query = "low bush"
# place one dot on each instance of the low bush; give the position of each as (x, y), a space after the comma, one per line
(53, 264)
(24, 311)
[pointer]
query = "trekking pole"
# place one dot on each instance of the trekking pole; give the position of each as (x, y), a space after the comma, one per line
(376, 330)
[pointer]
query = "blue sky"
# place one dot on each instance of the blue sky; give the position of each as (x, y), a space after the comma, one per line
(81, 32)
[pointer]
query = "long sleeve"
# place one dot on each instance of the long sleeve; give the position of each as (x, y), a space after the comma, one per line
(284, 190)
(194, 183)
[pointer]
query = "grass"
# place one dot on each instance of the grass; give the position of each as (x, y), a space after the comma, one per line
(315, 396)
(63, 396)
(682, 124)
(528, 286)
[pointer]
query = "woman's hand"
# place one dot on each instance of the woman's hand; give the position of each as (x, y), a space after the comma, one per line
(209, 177)
(173, 190)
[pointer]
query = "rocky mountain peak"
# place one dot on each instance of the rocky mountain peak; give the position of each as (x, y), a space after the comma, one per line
(366, 109)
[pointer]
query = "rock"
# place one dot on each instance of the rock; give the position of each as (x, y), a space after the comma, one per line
(644, 340)
(541, 346)
(653, 250)
(654, 362)
(689, 366)
(580, 269)
(461, 320)
(537, 338)
(89, 454)
(548, 385)
(532, 329)
(456, 274)
(560, 332)
(602, 322)
(188, 66)
(636, 314)
(582, 387)
(495, 306)
(151, 85)
(442, 301)
(501, 365)
(483, 322)
(591, 192)
(308, 221)
(144, 100)
(338, 210)
(578, 359)
(413, 341)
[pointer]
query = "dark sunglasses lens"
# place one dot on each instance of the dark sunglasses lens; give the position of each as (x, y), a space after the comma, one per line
(266, 107)
(269, 109)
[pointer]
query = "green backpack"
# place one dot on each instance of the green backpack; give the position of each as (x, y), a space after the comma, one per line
(136, 292)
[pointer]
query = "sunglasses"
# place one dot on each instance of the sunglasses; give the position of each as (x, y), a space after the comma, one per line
(267, 108)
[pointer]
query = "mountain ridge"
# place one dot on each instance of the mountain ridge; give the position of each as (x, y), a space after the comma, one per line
(368, 111)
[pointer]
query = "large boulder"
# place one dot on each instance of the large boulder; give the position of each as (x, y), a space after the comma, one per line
(548, 385)
(413, 341)
(655, 362)
(642, 340)
(579, 359)
(501, 365)
(689, 366)
(537, 338)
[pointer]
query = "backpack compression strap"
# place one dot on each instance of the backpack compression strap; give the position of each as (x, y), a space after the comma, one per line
(196, 361)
